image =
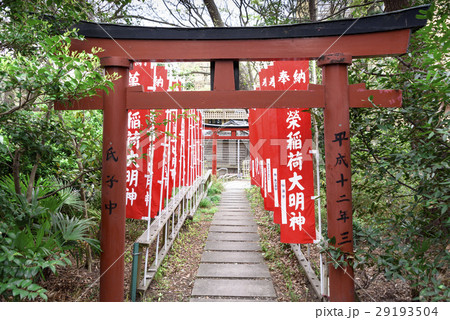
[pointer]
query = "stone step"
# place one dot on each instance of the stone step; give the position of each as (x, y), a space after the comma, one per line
(232, 267)
(232, 246)
(232, 257)
(231, 221)
(234, 207)
(237, 211)
(234, 214)
(233, 288)
(234, 299)
(237, 229)
(222, 209)
(229, 270)
(218, 236)
(226, 210)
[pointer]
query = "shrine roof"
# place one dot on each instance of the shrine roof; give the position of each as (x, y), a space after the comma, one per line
(396, 20)
(232, 124)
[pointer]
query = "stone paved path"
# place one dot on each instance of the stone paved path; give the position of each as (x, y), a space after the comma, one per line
(232, 267)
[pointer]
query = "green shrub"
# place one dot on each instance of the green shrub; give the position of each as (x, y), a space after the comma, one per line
(205, 203)
(216, 188)
(23, 258)
(34, 239)
(215, 199)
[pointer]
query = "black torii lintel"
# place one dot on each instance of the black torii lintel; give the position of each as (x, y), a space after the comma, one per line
(374, 36)
(396, 20)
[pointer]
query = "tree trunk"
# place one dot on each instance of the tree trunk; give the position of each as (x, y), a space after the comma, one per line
(251, 77)
(86, 216)
(16, 171)
(312, 10)
(85, 205)
(392, 5)
(214, 13)
(32, 178)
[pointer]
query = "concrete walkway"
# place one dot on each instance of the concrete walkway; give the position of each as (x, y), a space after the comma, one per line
(232, 267)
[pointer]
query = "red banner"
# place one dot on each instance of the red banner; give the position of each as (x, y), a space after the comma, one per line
(138, 143)
(154, 164)
(296, 179)
(266, 117)
(251, 137)
(159, 166)
(291, 169)
(136, 166)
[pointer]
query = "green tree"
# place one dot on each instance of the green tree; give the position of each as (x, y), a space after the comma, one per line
(38, 227)
(401, 163)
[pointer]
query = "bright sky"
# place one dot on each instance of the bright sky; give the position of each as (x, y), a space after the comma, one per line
(160, 7)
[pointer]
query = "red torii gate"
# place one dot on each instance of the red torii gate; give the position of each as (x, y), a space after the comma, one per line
(333, 43)
(215, 136)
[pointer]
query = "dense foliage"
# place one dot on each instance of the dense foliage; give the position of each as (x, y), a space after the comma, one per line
(401, 164)
(49, 160)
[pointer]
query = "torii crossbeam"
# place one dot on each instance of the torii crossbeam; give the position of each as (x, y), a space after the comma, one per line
(333, 43)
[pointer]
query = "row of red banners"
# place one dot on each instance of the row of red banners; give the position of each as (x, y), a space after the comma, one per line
(164, 147)
(281, 162)
(165, 151)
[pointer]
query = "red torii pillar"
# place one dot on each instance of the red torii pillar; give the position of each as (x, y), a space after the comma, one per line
(114, 169)
(214, 153)
(338, 169)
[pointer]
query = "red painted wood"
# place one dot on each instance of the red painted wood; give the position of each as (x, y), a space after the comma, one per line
(234, 136)
(114, 189)
(313, 98)
(226, 138)
(223, 99)
(338, 173)
(224, 75)
(217, 128)
(214, 155)
(359, 97)
(361, 45)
